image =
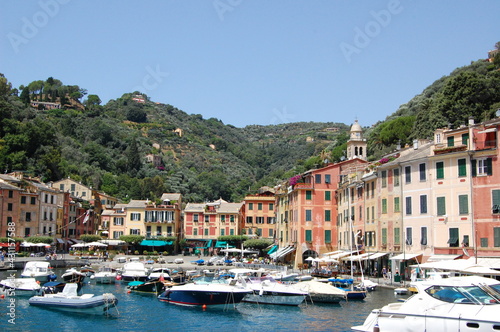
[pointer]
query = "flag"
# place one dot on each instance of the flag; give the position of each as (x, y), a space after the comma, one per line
(87, 216)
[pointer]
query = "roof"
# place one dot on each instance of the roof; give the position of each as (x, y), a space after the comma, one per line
(170, 197)
(136, 204)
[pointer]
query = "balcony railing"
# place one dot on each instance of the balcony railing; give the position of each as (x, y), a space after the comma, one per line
(450, 149)
(303, 186)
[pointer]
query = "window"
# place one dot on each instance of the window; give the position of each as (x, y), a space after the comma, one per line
(270, 220)
(462, 169)
(367, 213)
(421, 169)
(222, 232)
(195, 231)
(308, 215)
(396, 204)
(395, 175)
(384, 179)
(206, 231)
(408, 205)
(495, 201)
(10, 207)
(453, 241)
(135, 216)
(441, 206)
(135, 231)
(195, 217)
(482, 167)
(496, 236)
(408, 174)
(231, 218)
(158, 231)
(33, 201)
(384, 205)
(423, 204)
(23, 199)
(484, 242)
(28, 216)
(451, 141)
(249, 220)
(373, 213)
(423, 236)
(440, 170)
(308, 194)
(231, 231)
(328, 236)
(117, 234)
(328, 195)
(259, 220)
(271, 232)
(317, 178)
(271, 206)
(223, 218)
(463, 204)
(308, 235)
(259, 206)
(465, 139)
(396, 236)
(11, 193)
(328, 215)
(384, 236)
(328, 178)
(409, 236)
(207, 218)
(250, 206)
(465, 241)
(373, 189)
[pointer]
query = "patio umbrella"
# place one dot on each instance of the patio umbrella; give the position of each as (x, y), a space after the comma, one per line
(79, 245)
(27, 244)
(309, 258)
(95, 244)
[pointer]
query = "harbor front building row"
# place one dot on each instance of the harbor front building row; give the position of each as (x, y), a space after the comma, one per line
(436, 199)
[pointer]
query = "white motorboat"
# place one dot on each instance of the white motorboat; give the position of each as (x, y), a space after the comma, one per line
(367, 284)
(449, 304)
(134, 271)
(321, 292)
(74, 276)
(105, 275)
(68, 300)
(36, 269)
(20, 286)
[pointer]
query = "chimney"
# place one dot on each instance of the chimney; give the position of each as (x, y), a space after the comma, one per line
(415, 144)
(398, 147)
(471, 121)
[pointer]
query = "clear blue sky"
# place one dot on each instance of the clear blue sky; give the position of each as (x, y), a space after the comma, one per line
(249, 61)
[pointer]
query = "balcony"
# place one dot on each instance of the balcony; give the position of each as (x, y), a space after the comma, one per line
(303, 186)
(450, 149)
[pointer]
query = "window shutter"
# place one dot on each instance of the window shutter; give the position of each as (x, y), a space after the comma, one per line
(489, 167)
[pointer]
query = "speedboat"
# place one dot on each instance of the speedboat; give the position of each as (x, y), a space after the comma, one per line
(74, 276)
(68, 300)
(105, 275)
(20, 286)
(38, 270)
(451, 304)
(205, 294)
(266, 290)
(134, 271)
(366, 284)
(347, 286)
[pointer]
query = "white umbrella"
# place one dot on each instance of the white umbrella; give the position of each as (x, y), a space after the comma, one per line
(96, 244)
(27, 244)
(78, 245)
(309, 258)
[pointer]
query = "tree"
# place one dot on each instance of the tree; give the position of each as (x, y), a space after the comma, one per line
(90, 238)
(92, 101)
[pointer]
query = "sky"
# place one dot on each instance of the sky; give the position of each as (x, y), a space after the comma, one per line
(246, 62)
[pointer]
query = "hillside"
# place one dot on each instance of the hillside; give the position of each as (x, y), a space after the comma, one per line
(47, 131)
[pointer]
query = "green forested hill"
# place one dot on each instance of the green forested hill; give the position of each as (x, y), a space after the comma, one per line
(105, 146)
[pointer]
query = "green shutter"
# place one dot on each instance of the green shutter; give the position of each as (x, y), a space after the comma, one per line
(489, 168)
(451, 141)
(462, 170)
(308, 194)
(328, 236)
(463, 204)
(308, 235)
(473, 166)
(396, 204)
(328, 216)
(440, 170)
(384, 235)
(384, 205)
(465, 139)
(328, 195)
(496, 236)
(441, 206)
(396, 236)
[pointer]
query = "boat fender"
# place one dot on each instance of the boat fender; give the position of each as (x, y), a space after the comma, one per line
(261, 292)
(376, 328)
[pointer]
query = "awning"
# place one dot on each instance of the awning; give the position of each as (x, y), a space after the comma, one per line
(356, 257)
(437, 258)
(153, 243)
(273, 249)
(405, 257)
(453, 240)
(489, 130)
(113, 242)
(59, 240)
(341, 254)
(377, 255)
(282, 252)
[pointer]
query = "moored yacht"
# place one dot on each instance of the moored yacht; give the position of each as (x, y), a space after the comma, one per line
(36, 269)
(450, 304)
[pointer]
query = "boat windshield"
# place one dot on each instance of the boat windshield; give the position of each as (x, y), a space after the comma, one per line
(476, 294)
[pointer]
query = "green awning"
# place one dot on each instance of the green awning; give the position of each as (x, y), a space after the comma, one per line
(273, 249)
(222, 244)
(154, 243)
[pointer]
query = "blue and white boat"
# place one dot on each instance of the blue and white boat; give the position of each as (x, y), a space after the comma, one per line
(206, 294)
(37, 269)
(68, 300)
(19, 286)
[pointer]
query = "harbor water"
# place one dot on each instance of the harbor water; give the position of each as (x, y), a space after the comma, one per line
(144, 312)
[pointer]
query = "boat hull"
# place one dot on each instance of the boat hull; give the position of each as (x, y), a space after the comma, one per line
(203, 296)
(274, 298)
(94, 305)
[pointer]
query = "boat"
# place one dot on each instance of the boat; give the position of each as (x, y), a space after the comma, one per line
(469, 303)
(153, 286)
(74, 276)
(36, 269)
(266, 290)
(105, 275)
(401, 291)
(134, 271)
(68, 300)
(205, 294)
(347, 286)
(321, 292)
(366, 284)
(20, 286)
